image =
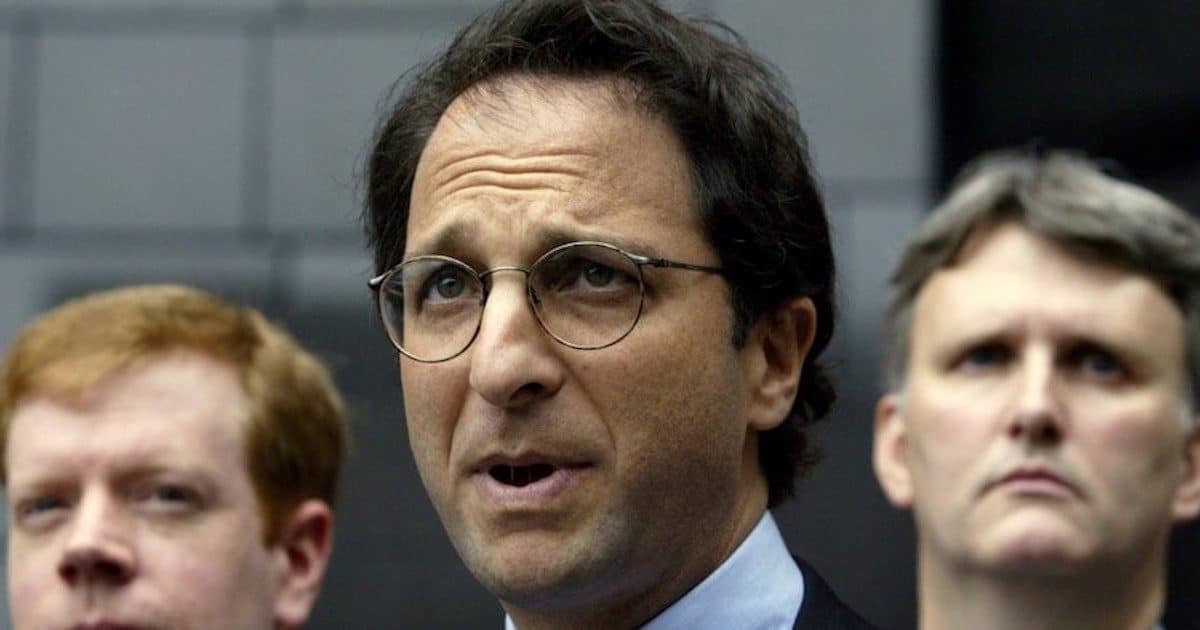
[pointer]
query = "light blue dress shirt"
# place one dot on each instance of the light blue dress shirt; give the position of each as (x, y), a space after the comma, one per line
(758, 587)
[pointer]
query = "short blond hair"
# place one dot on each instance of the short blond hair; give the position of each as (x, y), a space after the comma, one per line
(296, 435)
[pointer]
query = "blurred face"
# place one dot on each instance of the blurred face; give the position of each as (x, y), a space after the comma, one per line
(1042, 427)
(578, 478)
(132, 507)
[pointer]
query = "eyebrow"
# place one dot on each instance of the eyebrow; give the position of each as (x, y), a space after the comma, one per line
(35, 485)
(949, 345)
(554, 237)
(52, 477)
(446, 241)
(459, 239)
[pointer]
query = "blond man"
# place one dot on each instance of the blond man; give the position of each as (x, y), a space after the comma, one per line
(170, 461)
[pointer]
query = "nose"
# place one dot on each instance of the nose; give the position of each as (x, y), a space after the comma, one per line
(1039, 417)
(97, 550)
(514, 362)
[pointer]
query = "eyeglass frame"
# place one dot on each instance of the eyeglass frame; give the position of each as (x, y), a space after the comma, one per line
(639, 261)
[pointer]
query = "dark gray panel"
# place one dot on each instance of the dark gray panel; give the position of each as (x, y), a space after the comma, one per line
(327, 90)
(859, 73)
(6, 124)
(139, 131)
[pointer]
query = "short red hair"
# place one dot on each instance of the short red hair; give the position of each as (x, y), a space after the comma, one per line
(296, 434)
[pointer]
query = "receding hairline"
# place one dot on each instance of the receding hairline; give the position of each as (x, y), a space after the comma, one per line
(503, 101)
(1071, 202)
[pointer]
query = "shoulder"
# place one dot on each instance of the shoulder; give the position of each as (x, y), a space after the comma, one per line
(821, 609)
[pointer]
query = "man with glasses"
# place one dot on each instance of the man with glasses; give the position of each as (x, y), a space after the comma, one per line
(1042, 419)
(606, 268)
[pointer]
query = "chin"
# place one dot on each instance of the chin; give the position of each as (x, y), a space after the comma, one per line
(541, 586)
(523, 568)
(532, 572)
(1039, 552)
(1038, 538)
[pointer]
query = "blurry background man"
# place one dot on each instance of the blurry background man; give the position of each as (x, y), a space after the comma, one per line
(1042, 418)
(170, 461)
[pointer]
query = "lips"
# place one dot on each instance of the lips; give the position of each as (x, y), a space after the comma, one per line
(1035, 480)
(107, 625)
(520, 476)
(524, 468)
(527, 480)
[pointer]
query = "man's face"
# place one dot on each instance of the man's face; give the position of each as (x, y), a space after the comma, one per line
(1042, 428)
(648, 470)
(132, 507)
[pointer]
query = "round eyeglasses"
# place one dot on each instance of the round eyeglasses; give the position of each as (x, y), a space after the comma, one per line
(586, 295)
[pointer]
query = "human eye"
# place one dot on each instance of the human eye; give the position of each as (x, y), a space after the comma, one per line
(983, 356)
(447, 283)
(598, 275)
(40, 511)
(1097, 364)
(592, 275)
(589, 269)
(167, 497)
(443, 282)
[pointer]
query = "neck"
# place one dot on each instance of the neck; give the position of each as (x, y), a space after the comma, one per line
(1104, 598)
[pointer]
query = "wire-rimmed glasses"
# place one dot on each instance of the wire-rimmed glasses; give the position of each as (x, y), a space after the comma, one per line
(586, 295)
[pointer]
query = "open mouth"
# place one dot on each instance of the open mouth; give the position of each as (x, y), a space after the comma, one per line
(520, 475)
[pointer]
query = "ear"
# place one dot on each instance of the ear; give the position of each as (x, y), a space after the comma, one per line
(305, 542)
(1187, 496)
(778, 344)
(890, 451)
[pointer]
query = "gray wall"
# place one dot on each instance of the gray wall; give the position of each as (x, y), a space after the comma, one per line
(216, 142)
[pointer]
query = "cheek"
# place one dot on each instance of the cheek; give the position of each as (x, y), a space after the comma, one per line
(946, 438)
(947, 453)
(210, 578)
(32, 576)
(670, 411)
(1135, 450)
(433, 398)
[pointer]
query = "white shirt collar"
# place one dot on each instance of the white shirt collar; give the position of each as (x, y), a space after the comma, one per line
(758, 586)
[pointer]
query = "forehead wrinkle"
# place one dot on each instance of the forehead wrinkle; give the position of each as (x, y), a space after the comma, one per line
(456, 237)
(489, 169)
(445, 238)
(1065, 317)
(522, 178)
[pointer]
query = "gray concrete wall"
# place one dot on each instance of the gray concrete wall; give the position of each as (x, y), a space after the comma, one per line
(216, 142)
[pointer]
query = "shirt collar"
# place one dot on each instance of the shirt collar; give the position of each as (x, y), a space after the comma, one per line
(758, 586)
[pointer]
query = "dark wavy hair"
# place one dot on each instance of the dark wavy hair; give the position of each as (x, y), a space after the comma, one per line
(757, 196)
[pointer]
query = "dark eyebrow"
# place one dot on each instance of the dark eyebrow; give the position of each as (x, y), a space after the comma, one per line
(950, 347)
(40, 484)
(449, 241)
(459, 240)
(554, 237)
(1130, 354)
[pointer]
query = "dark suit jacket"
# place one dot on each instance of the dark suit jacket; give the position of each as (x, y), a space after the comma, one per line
(821, 608)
